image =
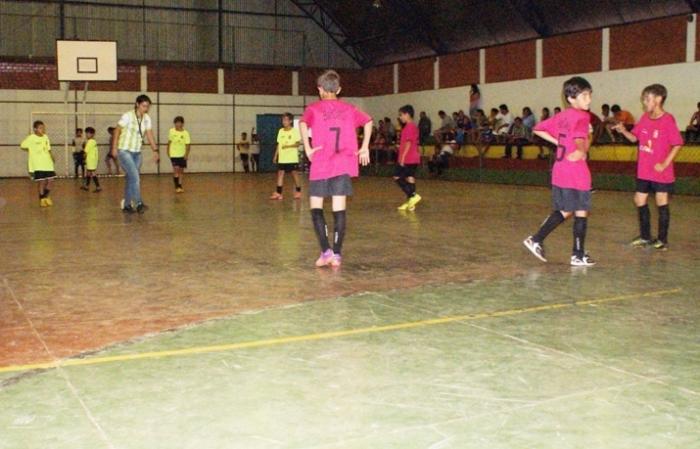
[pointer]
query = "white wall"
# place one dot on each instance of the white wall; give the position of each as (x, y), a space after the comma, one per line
(208, 117)
(619, 86)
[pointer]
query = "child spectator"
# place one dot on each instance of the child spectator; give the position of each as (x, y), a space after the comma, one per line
(518, 137)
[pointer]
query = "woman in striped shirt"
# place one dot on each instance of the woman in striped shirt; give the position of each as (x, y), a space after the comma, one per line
(126, 144)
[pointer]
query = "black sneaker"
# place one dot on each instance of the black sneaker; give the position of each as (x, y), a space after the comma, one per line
(535, 248)
(141, 208)
(128, 210)
(659, 245)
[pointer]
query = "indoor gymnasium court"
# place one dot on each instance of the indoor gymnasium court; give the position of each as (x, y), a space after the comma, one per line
(154, 311)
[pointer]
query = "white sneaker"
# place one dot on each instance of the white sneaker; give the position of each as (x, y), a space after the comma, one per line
(535, 248)
(584, 261)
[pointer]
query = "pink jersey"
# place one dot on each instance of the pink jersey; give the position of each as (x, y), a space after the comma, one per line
(656, 138)
(333, 125)
(409, 134)
(566, 127)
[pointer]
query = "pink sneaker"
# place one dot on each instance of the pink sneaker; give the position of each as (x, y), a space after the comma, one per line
(325, 258)
(336, 260)
(297, 195)
(276, 196)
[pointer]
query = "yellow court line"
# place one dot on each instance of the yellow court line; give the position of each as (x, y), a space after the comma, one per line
(323, 335)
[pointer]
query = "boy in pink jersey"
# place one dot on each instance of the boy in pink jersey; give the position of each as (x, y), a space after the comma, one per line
(334, 159)
(659, 141)
(408, 159)
(571, 179)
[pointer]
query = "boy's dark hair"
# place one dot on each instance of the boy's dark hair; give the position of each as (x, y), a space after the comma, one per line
(407, 109)
(244, 133)
(573, 87)
(615, 108)
(110, 130)
(142, 99)
(605, 106)
(656, 89)
(494, 110)
(475, 88)
(441, 113)
(289, 115)
(527, 109)
(518, 119)
(90, 130)
(36, 124)
(179, 119)
(78, 129)
(698, 105)
(329, 81)
(503, 106)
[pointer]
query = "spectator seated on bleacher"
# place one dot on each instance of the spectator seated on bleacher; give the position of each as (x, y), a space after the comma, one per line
(621, 116)
(540, 142)
(692, 132)
(518, 136)
(504, 120)
(447, 125)
(441, 159)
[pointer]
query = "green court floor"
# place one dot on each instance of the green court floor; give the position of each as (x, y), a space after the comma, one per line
(453, 342)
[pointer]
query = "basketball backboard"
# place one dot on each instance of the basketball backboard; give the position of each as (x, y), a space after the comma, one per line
(86, 60)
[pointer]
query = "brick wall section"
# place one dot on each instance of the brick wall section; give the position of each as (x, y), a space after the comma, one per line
(648, 43)
(378, 81)
(416, 75)
(459, 69)
(128, 80)
(510, 62)
(183, 78)
(24, 75)
(258, 81)
(572, 53)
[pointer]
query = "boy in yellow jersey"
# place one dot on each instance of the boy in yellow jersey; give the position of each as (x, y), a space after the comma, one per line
(91, 158)
(178, 151)
(287, 156)
(40, 161)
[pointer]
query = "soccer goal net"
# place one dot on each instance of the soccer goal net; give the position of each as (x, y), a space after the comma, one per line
(61, 129)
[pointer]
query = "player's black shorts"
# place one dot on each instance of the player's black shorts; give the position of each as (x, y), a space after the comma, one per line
(570, 200)
(78, 157)
(645, 186)
(41, 175)
(288, 168)
(178, 162)
(336, 186)
(406, 171)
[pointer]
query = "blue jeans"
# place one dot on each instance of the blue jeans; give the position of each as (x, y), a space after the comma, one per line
(131, 163)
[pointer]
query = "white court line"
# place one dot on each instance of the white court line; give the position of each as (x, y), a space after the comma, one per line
(61, 371)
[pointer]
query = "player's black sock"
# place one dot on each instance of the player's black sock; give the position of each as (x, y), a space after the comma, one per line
(86, 181)
(176, 182)
(644, 222)
(96, 181)
(664, 222)
(411, 189)
(580, 227)
(46, 193)
(42, 195)
(549, 225)
(279, 190)
(403, 185)
(320, 228)
(338, 230)
(298, 188)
